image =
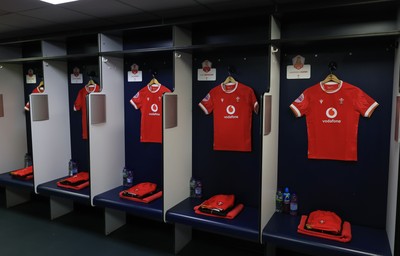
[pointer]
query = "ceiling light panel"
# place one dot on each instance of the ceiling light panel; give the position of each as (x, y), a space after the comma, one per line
(58, 1)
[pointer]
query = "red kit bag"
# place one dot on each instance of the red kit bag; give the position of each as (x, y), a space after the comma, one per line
(325, 224)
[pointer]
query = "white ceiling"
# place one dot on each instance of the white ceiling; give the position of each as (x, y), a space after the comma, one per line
(20, 19)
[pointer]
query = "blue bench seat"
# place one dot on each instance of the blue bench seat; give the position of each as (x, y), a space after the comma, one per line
(244, 226)
(281, 231)
(51, 189)
(111, 199)
(8, 181)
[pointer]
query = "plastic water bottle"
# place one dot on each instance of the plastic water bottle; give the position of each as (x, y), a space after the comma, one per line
(198, 191)
(293, 204)
(71, 168)
(129, 177)
(124, 177)
(74, 168)
(28, 160)
(279, 201)
(192, 187)
(286, 200)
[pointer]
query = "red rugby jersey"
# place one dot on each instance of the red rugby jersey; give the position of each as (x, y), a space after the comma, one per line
(80, 104)
(232, 105)
(149, 101)
(28, 105)
(332, 113)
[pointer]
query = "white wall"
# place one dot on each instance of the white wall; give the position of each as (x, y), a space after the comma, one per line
(13, 139)
(107, 140)
(177, 144)
(270, 141)
(51, 144)
(393, 163)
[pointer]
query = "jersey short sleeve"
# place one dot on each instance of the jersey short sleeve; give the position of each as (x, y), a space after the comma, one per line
(364, 104)
(206, 104)
(136, 100)
(301, 104)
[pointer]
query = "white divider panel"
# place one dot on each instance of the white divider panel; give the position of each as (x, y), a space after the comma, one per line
(270, 141)
(110, 42)
(53, 48)
(51, 144)
(393, 163)
(13, 141)
(177, 144)
(107, 140)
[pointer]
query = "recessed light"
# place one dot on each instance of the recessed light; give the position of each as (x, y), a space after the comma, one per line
(58, 1)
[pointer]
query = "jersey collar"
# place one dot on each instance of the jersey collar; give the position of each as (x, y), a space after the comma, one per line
(152, 86)
(235, 85)
(91, 88)
(336, 87)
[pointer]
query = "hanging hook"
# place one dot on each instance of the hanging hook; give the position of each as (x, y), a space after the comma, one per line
(332, 66)
(231, 70)
(153, 73)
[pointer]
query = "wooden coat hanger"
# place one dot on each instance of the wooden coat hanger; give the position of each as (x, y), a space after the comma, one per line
(91, 82)
(331, 78)
(229, 79)
(40, 87)
(153, 81)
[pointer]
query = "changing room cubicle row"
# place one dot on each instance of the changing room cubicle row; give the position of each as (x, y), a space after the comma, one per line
(114, 142)
(190, 62)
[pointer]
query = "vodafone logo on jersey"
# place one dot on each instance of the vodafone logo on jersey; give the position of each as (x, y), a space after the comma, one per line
(230, 110)
(331, 113)
(154, 108)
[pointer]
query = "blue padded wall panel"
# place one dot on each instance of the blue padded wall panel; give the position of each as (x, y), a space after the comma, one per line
(228, 172)
(357, 191)
(80, 147)
(145, 159)
(28, 88)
